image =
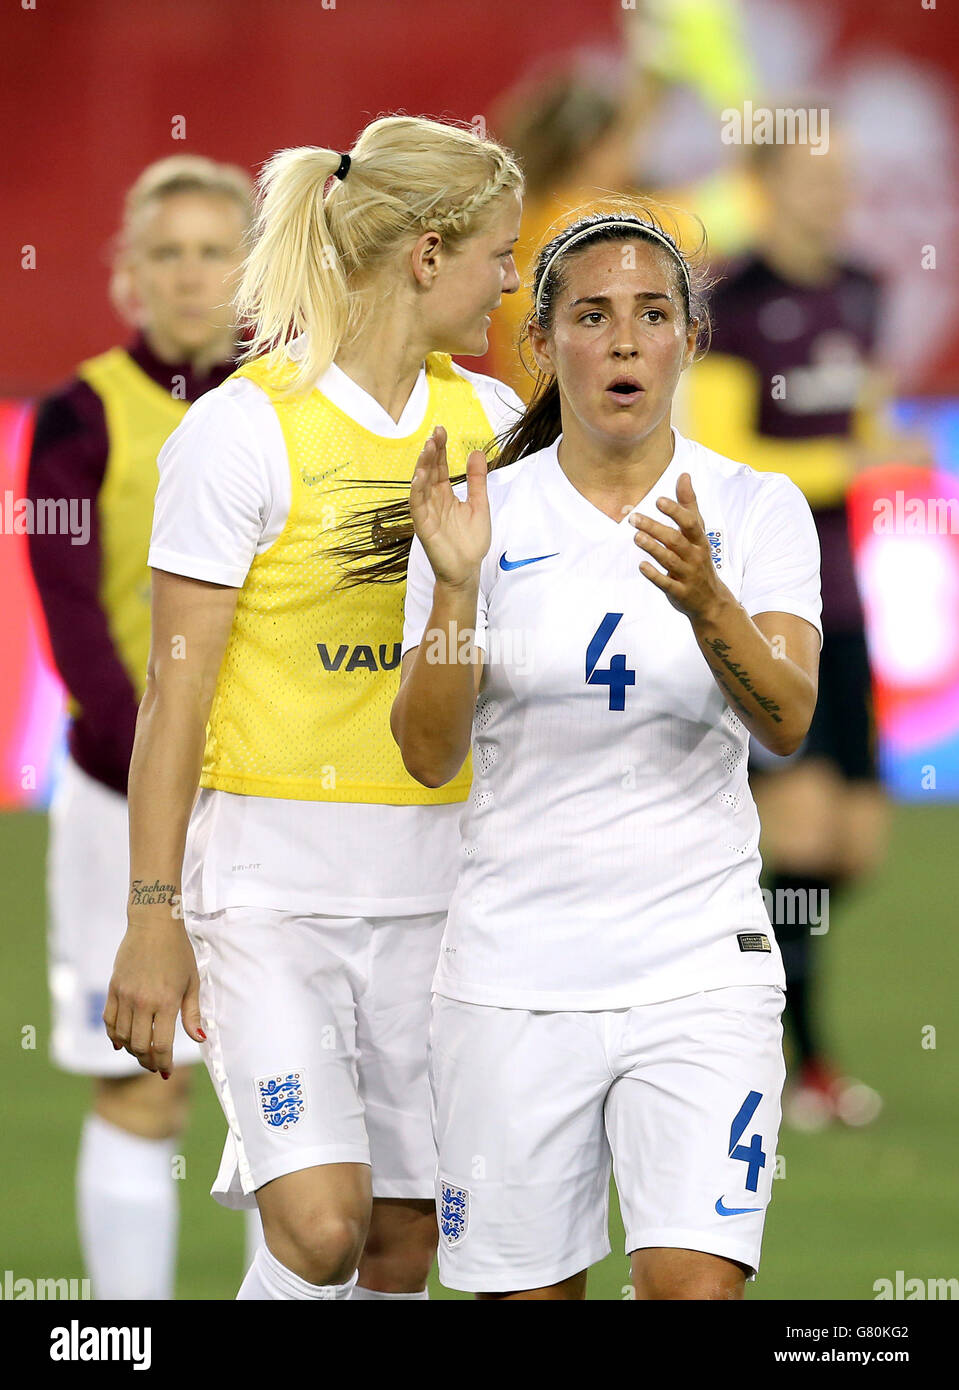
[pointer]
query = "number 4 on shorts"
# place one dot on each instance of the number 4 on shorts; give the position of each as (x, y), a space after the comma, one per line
(753, 1155)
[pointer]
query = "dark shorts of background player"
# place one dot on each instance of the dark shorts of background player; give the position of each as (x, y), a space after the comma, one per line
(843, 726)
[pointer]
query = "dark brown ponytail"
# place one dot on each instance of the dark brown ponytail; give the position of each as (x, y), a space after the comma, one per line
(376, 541)
(539, 426)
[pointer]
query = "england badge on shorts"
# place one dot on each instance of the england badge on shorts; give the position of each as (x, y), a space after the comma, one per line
(454, 1213)
(715, 539)
(282, 1099)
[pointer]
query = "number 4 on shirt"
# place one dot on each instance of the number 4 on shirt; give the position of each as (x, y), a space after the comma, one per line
(617, 675)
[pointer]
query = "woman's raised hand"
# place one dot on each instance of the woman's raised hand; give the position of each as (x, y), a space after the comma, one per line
(455, 534)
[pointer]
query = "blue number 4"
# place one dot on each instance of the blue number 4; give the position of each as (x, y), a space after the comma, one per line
(753, 1155)
(616, 675)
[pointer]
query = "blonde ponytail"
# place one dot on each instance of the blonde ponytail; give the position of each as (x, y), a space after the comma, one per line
(407, 175)
(293, 281)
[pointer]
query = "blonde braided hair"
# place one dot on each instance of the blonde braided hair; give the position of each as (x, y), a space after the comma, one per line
(457, 221)
(407, 175)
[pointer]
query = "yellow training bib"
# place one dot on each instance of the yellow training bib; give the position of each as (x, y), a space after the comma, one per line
(303, 699)
(140, 417)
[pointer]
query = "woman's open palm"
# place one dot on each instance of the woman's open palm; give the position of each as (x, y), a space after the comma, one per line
(455, 534)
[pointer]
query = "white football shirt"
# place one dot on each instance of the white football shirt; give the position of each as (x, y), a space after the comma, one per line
(224, 497)
(610, 844)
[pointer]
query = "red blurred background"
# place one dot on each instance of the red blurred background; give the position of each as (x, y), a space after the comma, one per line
(90, 91)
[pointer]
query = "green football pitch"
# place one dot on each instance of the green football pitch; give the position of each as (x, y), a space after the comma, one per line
(849, 1207)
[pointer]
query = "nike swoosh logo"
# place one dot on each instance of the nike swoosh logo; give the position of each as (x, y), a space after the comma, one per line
(732, 1211)
(505, 564)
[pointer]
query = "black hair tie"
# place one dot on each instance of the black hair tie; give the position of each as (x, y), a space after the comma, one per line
(344, 167)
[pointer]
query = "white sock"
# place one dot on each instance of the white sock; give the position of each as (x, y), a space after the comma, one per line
(268, 1279)
(127, 1210)
(253, 1234)
(360, 1293)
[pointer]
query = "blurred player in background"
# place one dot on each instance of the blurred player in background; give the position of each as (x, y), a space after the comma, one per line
(97, 440)
(314, 913)
(792, 384)
(574, 139)
(581, 136)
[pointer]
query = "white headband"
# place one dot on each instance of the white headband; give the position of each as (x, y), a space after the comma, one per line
(641, 229)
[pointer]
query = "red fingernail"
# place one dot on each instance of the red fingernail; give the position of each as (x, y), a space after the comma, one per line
(165, 1075)
(201, 1034)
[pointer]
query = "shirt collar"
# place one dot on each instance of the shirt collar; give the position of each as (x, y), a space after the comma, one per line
(360, 406)
(665, 485)
(191, 384)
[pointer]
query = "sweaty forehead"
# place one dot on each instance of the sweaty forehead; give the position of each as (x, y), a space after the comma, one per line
(502, 221)
(635, 266)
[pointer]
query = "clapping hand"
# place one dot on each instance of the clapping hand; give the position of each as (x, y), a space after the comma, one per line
(455, 534)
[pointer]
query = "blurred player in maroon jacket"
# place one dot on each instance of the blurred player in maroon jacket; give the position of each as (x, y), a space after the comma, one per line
(96, 441)
(791, 384)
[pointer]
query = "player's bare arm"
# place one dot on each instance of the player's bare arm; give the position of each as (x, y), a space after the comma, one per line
(432, 714)
(154, 975)
(767, 667)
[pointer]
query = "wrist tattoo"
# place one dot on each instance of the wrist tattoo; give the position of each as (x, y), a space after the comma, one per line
(720, 650)
(147, 894)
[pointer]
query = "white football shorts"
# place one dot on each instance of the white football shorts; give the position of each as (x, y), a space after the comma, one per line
(317, 1036)
(530, 1107)
(88, 882)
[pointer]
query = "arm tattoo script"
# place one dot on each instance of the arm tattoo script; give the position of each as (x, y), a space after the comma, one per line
(720, 650)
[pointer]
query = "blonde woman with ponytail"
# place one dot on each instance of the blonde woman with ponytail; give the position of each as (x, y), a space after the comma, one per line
(311, 914)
